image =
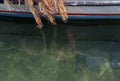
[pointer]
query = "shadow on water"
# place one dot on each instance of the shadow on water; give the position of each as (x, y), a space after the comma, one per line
(72, 52)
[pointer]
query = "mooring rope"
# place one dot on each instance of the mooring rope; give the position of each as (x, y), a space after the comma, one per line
(48, 8)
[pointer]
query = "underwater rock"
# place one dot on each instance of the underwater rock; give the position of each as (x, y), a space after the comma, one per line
(115, 66)
(90, 62)
(115, 60)
(115, 53)
(80, 63)
(2, 44)
(96, 62)
(115, 57)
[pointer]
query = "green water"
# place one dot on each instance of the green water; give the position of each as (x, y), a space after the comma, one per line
(24, 56)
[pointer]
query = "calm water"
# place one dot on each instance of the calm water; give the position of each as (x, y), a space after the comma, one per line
(68, 52)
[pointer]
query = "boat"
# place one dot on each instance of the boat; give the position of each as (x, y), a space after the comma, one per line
(76, 9)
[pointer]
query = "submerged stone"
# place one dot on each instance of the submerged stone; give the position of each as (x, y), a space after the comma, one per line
(115, 66)
(96, 62)
(90, 62)
(2, 44)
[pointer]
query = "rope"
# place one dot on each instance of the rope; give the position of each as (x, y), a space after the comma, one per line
(48, 8)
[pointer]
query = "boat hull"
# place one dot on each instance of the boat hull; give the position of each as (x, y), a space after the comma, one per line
(75, 11)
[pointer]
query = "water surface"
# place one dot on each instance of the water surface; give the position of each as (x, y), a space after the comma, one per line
(24, 55)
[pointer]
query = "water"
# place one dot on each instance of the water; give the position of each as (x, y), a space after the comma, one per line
(89, 53)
